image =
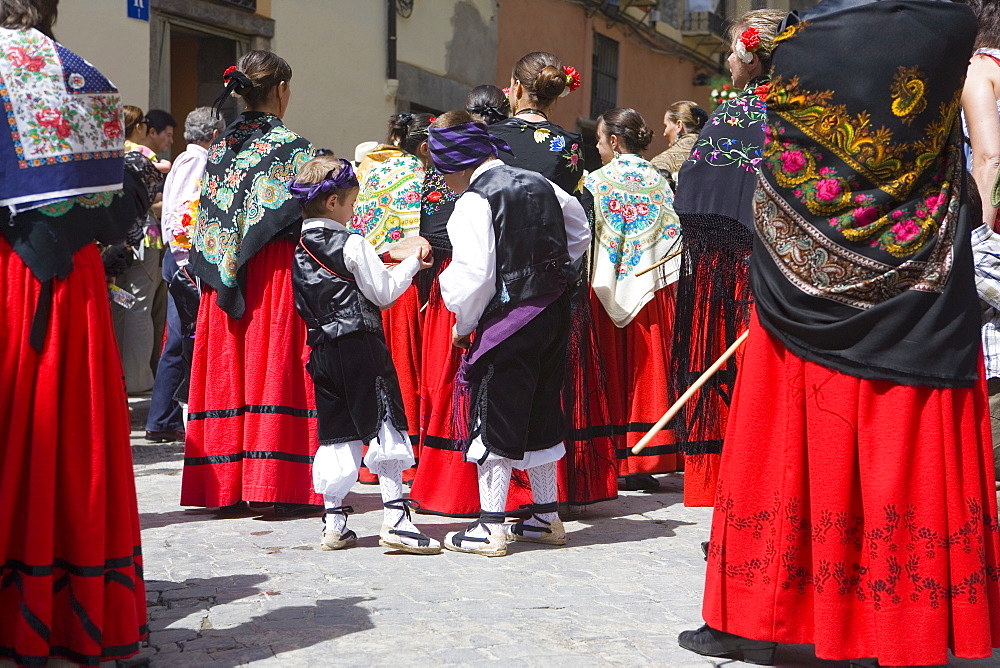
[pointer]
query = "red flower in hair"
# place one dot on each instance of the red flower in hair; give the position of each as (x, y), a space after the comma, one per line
(432, 119)
(572, 77)
(228, 72)
(750, 39)
(506, 91)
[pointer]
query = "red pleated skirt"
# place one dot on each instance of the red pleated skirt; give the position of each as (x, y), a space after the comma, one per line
(856, 515)
(251, 431)
(70, 559)
(637, 364)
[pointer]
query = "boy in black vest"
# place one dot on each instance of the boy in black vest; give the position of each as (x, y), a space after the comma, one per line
(340, 286)
(515, 235)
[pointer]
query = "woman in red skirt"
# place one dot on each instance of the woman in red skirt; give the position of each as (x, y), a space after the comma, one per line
(252, 423)
(70, 558)
(635, 227)
(856, 508)
(387, 212)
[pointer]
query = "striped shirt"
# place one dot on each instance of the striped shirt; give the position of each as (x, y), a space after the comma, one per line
(986, 256)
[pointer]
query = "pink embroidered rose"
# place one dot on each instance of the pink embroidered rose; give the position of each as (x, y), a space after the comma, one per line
(792, 161)
(411, 197)
(113, 129)
(614, 206)
(906, 230)
(629, 213)
(828, 189)
(48, 117)
(934, 201)
(396, 234)
(865, 215)
(642, 208)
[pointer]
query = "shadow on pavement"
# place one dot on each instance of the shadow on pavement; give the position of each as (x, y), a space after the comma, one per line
(174, 639)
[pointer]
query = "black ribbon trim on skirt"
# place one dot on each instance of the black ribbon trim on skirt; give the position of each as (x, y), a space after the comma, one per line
(695, 448)
(14, 572)
(252, 454)
(649, 451)
(252, 408)
(59, 651)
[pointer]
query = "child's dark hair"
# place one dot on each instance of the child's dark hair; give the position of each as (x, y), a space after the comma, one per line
(407, 131)
(316, 171)
(487, 104)
(629, 127)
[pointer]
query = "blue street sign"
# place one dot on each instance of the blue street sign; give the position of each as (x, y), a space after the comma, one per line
(138, 9)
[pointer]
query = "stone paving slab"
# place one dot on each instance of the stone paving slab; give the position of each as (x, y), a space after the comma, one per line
(227, 591)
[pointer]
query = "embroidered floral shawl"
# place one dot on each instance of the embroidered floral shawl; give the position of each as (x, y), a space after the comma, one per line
(862, 260)
(64, 129)
(635, 227)
(720, 175)
(388, 206)
(545, 148)
(245, 201)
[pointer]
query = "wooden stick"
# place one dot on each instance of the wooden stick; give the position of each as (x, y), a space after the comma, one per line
(659, 263)
(423, 307)
(669, 415)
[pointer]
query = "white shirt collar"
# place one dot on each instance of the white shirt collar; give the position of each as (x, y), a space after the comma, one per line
(317, 223)
(485, 167)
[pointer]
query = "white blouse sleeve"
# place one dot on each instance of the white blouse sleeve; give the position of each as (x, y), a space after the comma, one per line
(469, 282)
(382, 286)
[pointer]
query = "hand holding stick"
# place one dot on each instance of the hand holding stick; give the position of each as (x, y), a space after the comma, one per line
(669, 415)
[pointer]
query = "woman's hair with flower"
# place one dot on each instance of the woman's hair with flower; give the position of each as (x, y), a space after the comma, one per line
(766, 23)
(265, 69)
(407, 131)
(689, 114)
(487, 104)
(201, 124)
(542, 76)
(316, 171)
(630, 128)
(25, 14)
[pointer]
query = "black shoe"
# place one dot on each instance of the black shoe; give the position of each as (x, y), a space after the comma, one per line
(709, 642)
(169, 436)
(635, 482)
(864, 663)
(295, 509)
(235, 508)
(704, 549)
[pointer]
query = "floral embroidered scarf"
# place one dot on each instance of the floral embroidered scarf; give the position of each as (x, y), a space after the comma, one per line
(635, 227)
(245, 201)
(64, 130)
(862, 260)
(720, 175)
(388, 206)
(545, 148)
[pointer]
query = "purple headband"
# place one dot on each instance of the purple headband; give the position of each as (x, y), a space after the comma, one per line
(343, 179)
(462, 146)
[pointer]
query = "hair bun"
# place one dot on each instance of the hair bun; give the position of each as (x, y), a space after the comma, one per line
(550, 82)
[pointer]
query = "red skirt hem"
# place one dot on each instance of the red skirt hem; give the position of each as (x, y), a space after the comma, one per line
(870, 526)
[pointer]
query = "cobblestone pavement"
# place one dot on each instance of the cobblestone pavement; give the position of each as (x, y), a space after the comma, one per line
(254, 589)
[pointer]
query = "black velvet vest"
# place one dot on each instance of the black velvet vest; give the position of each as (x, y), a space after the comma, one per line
(531, 255)
(326, 294)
